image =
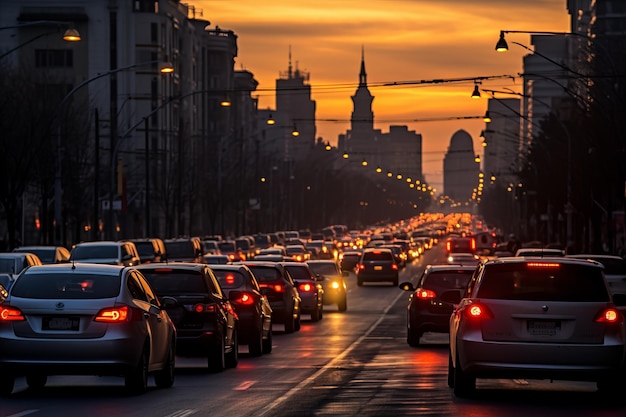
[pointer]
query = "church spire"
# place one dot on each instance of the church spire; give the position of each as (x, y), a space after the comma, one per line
(362, 74)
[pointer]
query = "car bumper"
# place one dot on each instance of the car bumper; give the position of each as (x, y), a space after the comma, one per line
(540, 360)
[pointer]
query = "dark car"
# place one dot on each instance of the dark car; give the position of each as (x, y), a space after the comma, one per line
(254, 310)
(150, 250)
(309, 287)
(333, 282)
(461, 244)
(229, 248)
(206, 322)
(184, 250)
(85, 319)
(426, 311)
(377, 264)
(276, 283)
(349, 260)
(47, 254)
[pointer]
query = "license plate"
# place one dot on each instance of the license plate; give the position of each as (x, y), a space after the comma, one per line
(543, 328)
(60, 323)
(378, 268)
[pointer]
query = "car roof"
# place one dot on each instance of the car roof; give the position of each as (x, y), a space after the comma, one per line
(78, 267)
(551, 259)
(100, 243)
(449, 267)
(173, 265)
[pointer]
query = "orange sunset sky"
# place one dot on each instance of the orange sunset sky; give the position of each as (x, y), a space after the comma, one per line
(403, 40)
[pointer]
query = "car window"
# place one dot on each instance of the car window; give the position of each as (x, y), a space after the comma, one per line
(446, 279)
(145, 249)
(152, 298)
(263, 274)
(230, 279)
(324, 268)
(135, 289)
(95, 251)
(180, 249)
(214, 283)
(169, 281)
(377, 256)
(51, 286)
(7, 266)
(298, 273)
(543, 281)
(613, 266)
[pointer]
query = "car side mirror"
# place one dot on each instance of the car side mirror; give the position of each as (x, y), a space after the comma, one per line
(451, 296)
(406, 286)
(168, 302)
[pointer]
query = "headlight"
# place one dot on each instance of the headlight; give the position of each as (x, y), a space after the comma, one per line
(334, 285)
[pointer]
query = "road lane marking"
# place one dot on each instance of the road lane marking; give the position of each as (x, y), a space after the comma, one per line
(24, 413)
(295, 390)
(245, 385)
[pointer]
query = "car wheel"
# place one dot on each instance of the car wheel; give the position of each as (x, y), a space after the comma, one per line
(36, 381)
(255, 347)
(7, 382)
(290, 322)
(267, 342)
(232, 357)
(412, 334)
(165, 377)
(450, 371)
(342, 305)
(464, 384)
(298, 323)
(136, 380)
(217, 357)
(316, 314)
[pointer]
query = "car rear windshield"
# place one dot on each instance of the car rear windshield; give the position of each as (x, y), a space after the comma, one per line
(180, 249)
(145, 249)
(173, 282)
(264, 274)
(95, 252)
(378, 256)
(230, 279)
(324, 268)
(8, 266)
(447, 280)
(543, 281)
(52, 286)
(298, 273)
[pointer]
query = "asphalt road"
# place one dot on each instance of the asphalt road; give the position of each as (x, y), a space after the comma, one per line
(353, 363)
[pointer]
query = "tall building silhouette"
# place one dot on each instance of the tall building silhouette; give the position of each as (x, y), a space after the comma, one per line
(460, 170)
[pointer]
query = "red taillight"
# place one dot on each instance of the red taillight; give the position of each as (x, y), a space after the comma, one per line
(394, 266)
(279, 288)
(449, 246)
(423, 294)
(477, 311)
(361, 266)
(245, 299)
(231, 256)
(114, 315)
(204, 308)
(306, 287)
(11, 314)
(609, 315)
(473, 244)
(230, 279)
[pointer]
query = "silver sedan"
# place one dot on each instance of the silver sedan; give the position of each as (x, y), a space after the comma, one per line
(87, 319)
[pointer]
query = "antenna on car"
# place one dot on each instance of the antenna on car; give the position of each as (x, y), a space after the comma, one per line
(73, 264)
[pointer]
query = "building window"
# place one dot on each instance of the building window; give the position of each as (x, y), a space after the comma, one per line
(54, 58)
(154, 32)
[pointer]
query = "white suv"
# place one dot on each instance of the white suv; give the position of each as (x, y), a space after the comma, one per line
(106, 252)
(537, 318)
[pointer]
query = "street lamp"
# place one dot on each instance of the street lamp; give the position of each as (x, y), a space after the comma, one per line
(69, 35)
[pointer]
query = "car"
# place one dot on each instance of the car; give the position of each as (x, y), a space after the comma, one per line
(426, 311)
(229, 248)
(399, 256)
(333, 282)
(206, 323)
(542, 252)
(85, 319)
(458, 244)
(463, 259)
(184, 249)
(309, 287)
(47, 254)
(349, 260)
(297, 253)
(537, 318)
(210, 247)
(14, 263)
(106, 252)
(216, 259)
(150, 250)
(377, 264)
(278, 286)
(614, 269)
(245, 245)
(253, 308)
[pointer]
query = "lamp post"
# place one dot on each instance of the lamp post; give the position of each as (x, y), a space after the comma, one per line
(69, 35)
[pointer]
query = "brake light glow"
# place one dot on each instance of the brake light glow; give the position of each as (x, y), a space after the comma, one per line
(163, 270)
(114, 315)
(423, 294)
(478, 311)
(609, 315)
(245, 299)
(473, 244)
(11, 314)
(204, 308)
(279, 288)
(361, 266)
(394, 267)
(306, 287)
(230, 279)
(542, 265)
